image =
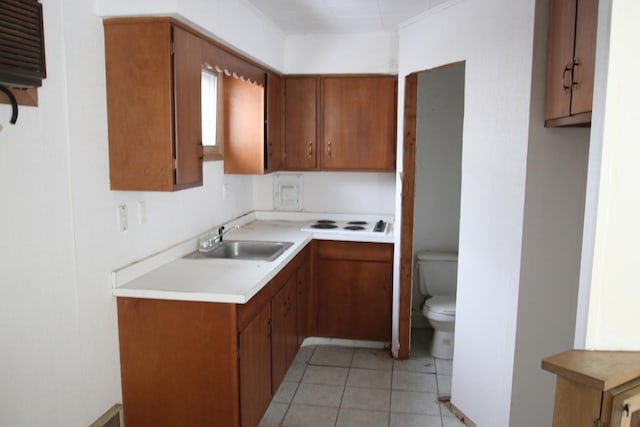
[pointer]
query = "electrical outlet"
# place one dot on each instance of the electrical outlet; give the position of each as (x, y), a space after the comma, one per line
(122, 218)
(142, 212)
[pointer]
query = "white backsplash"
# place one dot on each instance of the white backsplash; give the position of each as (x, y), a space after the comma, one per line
(335, 192)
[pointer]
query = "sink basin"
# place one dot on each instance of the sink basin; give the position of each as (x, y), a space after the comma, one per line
(244, 249)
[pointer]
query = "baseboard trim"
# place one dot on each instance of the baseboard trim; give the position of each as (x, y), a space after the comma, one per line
(112, 418)
(458, 413)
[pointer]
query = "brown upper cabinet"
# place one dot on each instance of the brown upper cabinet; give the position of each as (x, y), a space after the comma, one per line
(153, 104)
(571, 62)
(340, 123)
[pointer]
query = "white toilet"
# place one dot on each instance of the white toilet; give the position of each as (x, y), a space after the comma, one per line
(438, 273)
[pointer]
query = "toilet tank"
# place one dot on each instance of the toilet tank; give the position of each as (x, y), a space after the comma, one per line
(438, 273)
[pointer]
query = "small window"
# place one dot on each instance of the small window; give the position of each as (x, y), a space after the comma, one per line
(210, 114)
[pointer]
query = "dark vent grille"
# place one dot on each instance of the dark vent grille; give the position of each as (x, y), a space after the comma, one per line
(22, 62)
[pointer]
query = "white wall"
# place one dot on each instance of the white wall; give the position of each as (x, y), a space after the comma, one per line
(336, 192)
(343, 53)
(551, 247)
(37, 269)
(60, 242)
(612, 229)
(495, 39)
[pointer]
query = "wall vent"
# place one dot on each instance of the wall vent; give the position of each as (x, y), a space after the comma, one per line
(22, 59)
(112, 418)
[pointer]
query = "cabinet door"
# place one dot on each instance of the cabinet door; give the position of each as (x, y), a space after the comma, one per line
(139, 105)
(358, 123)
(626, 409)
(188, 117)
(275, 123)
(255, 369)
(562, 15)
(301, 97)
(584, 56)
(575, 404)
(244, 151)
(354, 299)
(284, 341)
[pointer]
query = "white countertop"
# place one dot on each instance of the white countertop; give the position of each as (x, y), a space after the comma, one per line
(169, 276)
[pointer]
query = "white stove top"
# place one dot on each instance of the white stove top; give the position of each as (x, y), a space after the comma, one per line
(352, 226)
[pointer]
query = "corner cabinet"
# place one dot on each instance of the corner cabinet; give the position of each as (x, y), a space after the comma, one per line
(153, 103)
(341, 123)
(596, 388)
(571, 62)
(354, 290)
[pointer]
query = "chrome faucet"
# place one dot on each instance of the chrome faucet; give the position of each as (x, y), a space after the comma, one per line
(222, 232)
(213, 240)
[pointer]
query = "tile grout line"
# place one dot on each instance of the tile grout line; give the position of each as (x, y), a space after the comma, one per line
(393, 373)
(306, 365)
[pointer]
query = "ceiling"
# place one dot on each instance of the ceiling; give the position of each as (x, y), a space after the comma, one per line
(341, 16)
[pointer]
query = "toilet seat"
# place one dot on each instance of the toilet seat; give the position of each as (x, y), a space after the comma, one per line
(441, 305)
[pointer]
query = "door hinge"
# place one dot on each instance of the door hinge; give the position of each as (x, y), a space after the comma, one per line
(597, 422)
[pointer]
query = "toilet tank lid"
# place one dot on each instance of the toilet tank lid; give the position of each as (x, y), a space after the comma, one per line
(437, 256)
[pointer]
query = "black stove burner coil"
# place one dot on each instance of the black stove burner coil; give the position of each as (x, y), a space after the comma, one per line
(354, 227)
(325, 226)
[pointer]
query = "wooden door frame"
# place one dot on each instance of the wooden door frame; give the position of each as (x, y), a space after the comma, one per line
(406, 208)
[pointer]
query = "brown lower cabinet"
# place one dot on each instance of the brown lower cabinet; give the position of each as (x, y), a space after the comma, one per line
(596, 388)
(187, 363)
(354, 282)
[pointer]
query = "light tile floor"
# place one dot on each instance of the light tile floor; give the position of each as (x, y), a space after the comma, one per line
(345, 386)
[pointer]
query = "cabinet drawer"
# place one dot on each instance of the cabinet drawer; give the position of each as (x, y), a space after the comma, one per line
(355, 250)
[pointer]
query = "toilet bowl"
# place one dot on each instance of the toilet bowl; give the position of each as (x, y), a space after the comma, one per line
(440, 312)
(438, 276)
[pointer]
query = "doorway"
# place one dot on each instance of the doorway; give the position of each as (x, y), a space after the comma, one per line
(432, 156)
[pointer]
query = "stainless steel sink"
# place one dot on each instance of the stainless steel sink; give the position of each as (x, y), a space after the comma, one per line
(244, 249)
